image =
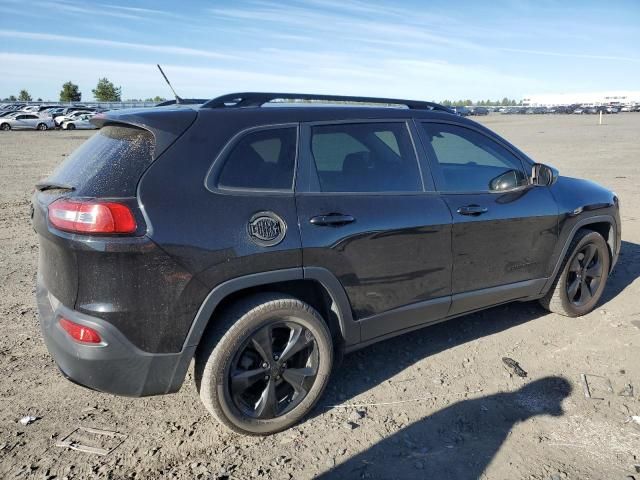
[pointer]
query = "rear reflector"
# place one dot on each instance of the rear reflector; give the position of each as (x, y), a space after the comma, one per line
(80, 333)
(91, 216)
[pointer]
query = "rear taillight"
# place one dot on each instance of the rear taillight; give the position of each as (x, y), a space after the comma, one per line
(80, 333)
(91, 216)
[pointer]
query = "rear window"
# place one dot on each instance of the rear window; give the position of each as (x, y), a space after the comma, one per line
(108, 164)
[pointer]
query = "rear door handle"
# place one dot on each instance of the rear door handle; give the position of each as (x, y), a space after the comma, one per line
(473, 210)
(331, 220)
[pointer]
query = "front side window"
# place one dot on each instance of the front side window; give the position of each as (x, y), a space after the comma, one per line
(263, 160)
(365, 157)
(468, 161)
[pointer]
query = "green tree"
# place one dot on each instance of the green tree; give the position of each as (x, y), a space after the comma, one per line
(70, 93)
(24, 96)
(106, 91)
(12, 98)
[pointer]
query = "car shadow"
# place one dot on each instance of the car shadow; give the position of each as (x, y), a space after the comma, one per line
(375, 364)
(625, 272)
(459, 441)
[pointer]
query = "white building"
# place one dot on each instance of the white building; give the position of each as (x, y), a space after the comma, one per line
(588, 98)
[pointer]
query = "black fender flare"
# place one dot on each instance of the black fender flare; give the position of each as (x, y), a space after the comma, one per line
(350, 329)
(578, 225)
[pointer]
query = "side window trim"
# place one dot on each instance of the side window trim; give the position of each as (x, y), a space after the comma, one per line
(435, 167)
(213, 173)
(308, 181)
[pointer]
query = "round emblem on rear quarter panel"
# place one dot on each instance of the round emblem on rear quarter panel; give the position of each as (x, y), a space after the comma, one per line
(266, 229)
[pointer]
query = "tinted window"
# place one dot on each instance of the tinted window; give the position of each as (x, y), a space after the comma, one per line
(109, 163)
(365, 157)
(471, 162)
(263, 160)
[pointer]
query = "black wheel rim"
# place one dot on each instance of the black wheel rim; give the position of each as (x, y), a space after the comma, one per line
(273, 370)
(585, 275)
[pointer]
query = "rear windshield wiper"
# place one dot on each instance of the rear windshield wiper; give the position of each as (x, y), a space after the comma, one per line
(42, 186)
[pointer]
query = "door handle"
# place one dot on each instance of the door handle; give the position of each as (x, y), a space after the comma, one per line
(331, 220)
(473, 210)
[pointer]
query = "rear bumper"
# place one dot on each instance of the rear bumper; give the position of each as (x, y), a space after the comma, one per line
(115, 366)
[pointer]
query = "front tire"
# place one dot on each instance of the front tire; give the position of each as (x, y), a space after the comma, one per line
(5, 126)
(265, 364)
(581, 281)
(70, 126)
(42, 126)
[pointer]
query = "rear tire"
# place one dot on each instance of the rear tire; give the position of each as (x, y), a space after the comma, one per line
(265, 364)
(582, 277)
(5, 126)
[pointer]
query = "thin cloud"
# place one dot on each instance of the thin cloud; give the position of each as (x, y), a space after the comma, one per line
(571, 55)
(163, 49)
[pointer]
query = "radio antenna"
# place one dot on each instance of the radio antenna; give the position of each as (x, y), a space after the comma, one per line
(178, 99)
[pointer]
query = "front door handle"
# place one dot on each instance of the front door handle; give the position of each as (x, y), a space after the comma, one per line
(331, 220)
(473, 210)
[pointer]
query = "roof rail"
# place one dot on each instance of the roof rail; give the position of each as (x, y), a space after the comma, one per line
(257, 99)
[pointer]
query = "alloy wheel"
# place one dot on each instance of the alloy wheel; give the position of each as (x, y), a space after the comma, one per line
(273, 370)
(585, 274)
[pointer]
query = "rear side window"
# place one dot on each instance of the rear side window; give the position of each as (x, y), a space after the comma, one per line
(365, 157)
(263, 160)
(110, 163)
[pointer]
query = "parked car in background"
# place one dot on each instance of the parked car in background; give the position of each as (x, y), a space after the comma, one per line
(462, 111)
(481, 111)
(26, 121)
(13, 106)
(81, 122)
(69, 116)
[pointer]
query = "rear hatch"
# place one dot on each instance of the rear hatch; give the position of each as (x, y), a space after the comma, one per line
(109, 166)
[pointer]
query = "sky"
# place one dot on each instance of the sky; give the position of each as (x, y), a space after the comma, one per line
(424, 50)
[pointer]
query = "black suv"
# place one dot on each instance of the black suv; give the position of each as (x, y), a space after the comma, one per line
(263, 237)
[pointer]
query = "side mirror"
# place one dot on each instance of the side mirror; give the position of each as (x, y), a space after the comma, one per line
(508, 180)
(543, 175)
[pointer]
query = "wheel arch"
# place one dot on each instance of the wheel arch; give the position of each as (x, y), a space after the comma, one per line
(285, 281)
(605, 225)
(315, 286)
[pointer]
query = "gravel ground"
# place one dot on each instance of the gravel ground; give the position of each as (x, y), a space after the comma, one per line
(436, 403)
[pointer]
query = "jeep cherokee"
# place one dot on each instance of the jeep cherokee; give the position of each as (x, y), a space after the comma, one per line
(262, 236)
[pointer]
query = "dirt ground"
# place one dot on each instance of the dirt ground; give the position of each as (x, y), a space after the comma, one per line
(437, 403)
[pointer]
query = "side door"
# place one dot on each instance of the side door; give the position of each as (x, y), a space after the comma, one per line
(30, 121)
(369, 216)
(504, 229)
(21, 122)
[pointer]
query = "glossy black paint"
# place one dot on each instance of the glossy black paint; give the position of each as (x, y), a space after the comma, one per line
(406, 260)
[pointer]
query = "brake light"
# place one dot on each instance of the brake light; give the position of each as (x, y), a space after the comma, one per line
(91, 216)
(80, 333)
